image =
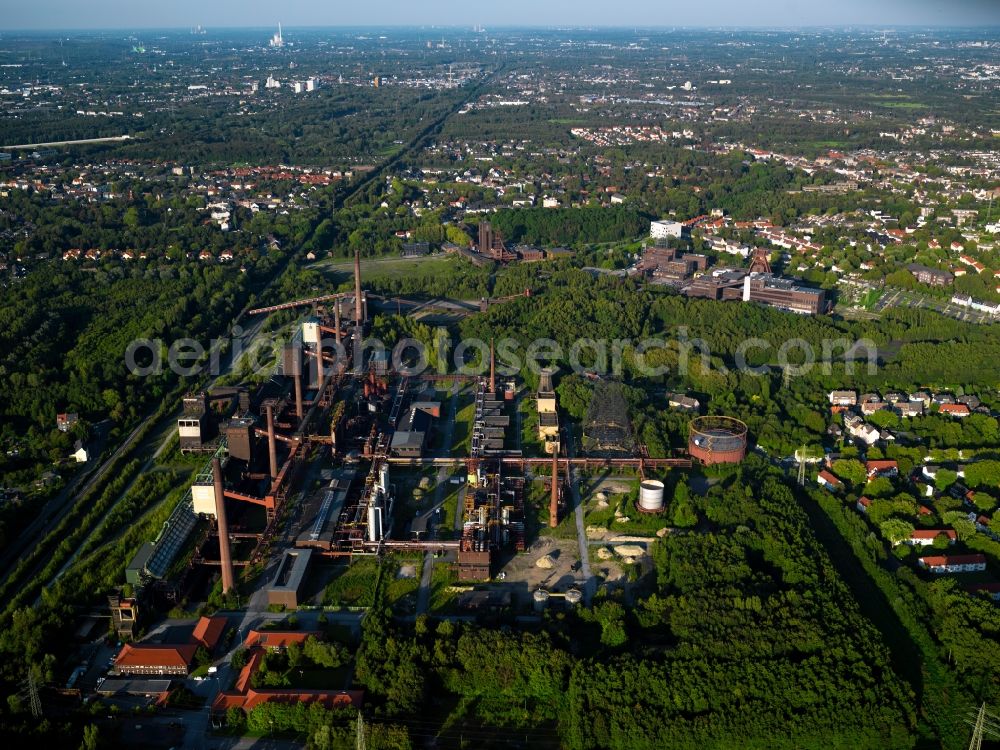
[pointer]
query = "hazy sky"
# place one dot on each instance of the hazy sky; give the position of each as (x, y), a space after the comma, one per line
(70, 14)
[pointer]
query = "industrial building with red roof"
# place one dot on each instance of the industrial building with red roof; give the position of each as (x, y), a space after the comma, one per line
(171, 659)
(156, 658)
(275, 639)
(208, 631)
(246, 697)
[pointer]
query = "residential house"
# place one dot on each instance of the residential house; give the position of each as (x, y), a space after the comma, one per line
(679, 401)
(864, 432)
(80, 453)
(923, 537)
(954, 410)
(888, 468)
(843, 398)
(870, 407)
(66, 422)
(829, 481)
(939, 564)
(908, 408)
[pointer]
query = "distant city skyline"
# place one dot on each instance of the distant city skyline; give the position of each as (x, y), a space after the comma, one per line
(121, 14)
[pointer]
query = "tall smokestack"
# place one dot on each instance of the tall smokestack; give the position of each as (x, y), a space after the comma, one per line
(297, 375)
(358, 319)
(493, 368)
(554, 500)
(272, 447)
(225, 556)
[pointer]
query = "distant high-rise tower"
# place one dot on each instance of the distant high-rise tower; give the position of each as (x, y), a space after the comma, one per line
(276, 40)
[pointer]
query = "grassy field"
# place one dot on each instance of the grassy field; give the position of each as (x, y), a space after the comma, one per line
(638, 523)
(401, 593)
(903, 105)
(354, 585)
(446, 519)
(461, 439)
(442, 598)
(341, 269)
(529, 427)
(871, 297)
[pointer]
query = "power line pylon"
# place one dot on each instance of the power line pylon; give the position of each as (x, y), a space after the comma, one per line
(985, 724)
(361, 733)
(34, 698)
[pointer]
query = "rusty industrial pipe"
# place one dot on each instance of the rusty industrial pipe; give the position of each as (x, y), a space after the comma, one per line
(554, 500)
(225, 556)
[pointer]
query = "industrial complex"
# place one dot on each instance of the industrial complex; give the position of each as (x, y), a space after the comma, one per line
(308, 467)
(336, 406)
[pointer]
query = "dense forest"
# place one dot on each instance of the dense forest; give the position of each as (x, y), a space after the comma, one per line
(748, 636)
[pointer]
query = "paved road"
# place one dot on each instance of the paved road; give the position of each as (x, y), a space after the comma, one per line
(444, 473)
(589, 582)
(108, 139)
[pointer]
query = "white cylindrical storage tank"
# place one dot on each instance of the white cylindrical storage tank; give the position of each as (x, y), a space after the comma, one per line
(374, 523)
(651, 496)
(541, 597)
(573, 597)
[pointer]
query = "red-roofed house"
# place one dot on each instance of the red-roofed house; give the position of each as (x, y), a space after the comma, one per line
(208, 631)
(953, 563)
(242, 683)
(955, 410)
(923, 537)
(828, 480)
(882, 469)
(864, 503)
(254, 697)
(156, 658)
(277, 639)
